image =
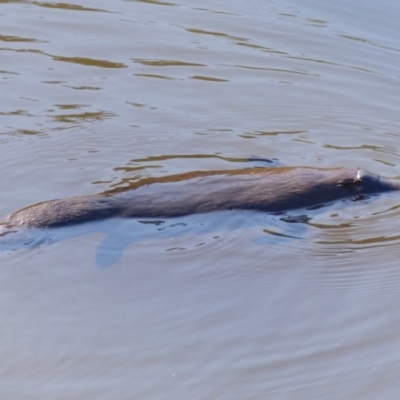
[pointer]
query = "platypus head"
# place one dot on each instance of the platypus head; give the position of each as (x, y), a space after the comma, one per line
(365, 182)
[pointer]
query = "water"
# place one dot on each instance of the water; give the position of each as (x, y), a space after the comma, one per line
(97, 95)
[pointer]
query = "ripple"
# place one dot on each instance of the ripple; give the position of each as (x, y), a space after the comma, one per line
(156, 2)
(212, 33)
(154, 76)
(83, 117)
(19, 39)
(167, 63)
(360, 255)
(208, 78)
(67, 6)
(89, 62)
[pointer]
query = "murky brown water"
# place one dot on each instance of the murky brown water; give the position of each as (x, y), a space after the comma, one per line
(98, 94)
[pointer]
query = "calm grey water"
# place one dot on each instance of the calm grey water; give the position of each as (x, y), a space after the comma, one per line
(97, 94)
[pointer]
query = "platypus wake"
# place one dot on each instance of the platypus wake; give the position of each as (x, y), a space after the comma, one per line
(264, 189)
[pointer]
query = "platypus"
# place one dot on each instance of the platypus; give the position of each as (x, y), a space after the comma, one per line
(269, 190)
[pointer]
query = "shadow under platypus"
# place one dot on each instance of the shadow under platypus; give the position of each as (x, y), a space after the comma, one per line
(268, 190)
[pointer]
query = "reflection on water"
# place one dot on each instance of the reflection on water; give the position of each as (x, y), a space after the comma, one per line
(66, 6)
(168, 63)
(90, 62)
(98, 95)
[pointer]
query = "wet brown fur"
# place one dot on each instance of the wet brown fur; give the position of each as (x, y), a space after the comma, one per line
(263, 189)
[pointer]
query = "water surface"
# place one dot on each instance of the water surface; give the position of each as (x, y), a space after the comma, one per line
(97, 95)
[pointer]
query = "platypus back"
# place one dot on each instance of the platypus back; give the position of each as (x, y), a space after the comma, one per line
(267, 190)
